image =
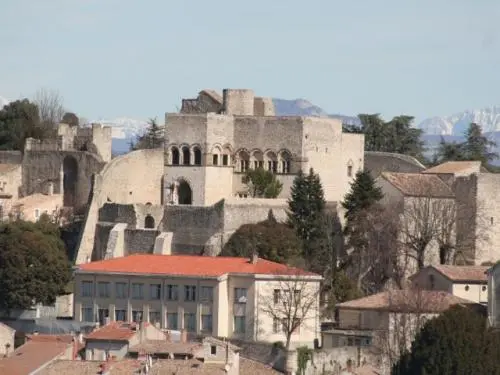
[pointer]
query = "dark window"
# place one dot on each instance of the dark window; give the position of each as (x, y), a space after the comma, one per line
(215, 159)
(175, 156)
(225, 159)
(197, 156)
(186, 156)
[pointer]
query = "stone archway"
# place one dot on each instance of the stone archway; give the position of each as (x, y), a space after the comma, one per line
(149, 222)
(184, 192)
(70, 181)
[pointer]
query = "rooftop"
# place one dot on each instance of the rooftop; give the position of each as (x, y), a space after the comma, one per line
(31, 356)
(114, 331)
(463, 273)
(452, 167)
(123, 367)
(418, 184)
(407, 301)
(190, 265)
(38, 198)
(163, 346)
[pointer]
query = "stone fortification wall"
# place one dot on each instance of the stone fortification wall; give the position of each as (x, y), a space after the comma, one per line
(238, 102)
(118, 213)
(140, 241)
(488, 218)
(263, 107)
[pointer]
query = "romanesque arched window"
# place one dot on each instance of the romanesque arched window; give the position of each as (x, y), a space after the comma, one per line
(271, 161)
(284, 159)
(242, 161)
(216, 155)
(175, 156)
(197, 155)
(226, 155)
(186, 156)
(256, 159)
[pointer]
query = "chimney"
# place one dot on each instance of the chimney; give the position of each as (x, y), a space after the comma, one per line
(183, 336)
(255, 257)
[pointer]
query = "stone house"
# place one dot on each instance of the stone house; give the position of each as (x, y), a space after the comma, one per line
(216, 296)
(10, 184)
(468, 282)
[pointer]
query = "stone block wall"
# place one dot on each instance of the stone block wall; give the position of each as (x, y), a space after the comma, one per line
(140, 241)
(118, 213)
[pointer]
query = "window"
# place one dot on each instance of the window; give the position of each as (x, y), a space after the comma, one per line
(190, 322)
(155, 291)
(483, 288)
(136, 315)
(137, 291)
(243, 165)
(175, 156)
(349, 171)
(491, 220)
(154, 317)
(276, 296)
(207, 293)
(37, 214)
(102, 314)
(172, 320)
(186, 156)
(87, 289)
(213, 350)
(206, 322)
(225, 159)
(240, 295)
(104, 289)
(277, 325)
(239, 324)
(121, 290)
(87, 314)
(189, 293)
(466, 288)
(296, 296)
(215, 159)
(197, 156)
(121, 315)
(172, 293)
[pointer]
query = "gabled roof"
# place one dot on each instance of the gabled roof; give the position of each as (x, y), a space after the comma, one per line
(213, 94)
(114, 331)
(406, 301)
(190, 265)
(461, 273)
(418, 184)
(452, 167)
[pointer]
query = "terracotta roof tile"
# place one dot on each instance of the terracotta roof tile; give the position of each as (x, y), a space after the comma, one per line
(122, 367)
(418, 184)
(114, 331)
(411, 300)
(452, 167)
(463, 273)
(31, 356)
(190, 265)
(67, 339)
(162, 346)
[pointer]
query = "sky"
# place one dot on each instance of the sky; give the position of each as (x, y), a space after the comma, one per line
(137, 59)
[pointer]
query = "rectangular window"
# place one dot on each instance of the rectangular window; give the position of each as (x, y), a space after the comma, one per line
(121, 290)
(215, 159)
(207, 293)
(172, 321)
(349, 171)
(206, 322)
(154, 317)
(155, 291)
(276, 296)
(172, 293)
(103, 289)
(240, 295)
(121, 315)
(213, 349)
(87, 289)
(239, 324)
(277, 325)
(190, 322)
(37, 214)
(190, 293)
(225, 159)
(137, 291)
(137, 316)
(87, 314)
(102, 314)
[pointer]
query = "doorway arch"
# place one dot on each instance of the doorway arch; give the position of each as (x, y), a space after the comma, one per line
(149, 222)
(70, 181)
(185, 193)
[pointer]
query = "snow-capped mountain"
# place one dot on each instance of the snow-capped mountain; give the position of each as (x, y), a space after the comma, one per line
(124, 128)
(3, 102)
(456, 124)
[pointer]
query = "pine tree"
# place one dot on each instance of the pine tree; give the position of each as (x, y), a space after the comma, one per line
(363, 195)
(477, 146)
(306, 206)
(152, 138)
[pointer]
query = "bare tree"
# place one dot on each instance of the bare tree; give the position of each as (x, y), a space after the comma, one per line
(50, 106)
(291, 302)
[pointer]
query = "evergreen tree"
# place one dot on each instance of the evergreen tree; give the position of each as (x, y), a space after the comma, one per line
(363, 194)
(477, 146)
(152, 138)
(306, 205)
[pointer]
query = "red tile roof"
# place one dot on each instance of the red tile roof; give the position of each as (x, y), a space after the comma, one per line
(411, 300)
(463, 273)
(190, 265)
(114, 331)
(67, 339)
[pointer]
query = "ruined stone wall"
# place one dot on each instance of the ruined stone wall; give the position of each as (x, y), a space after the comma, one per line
(488, 218)
(263, 107)
(378, 162)
(118, 213)
(140, 240)
(238, 102)
(204, 103)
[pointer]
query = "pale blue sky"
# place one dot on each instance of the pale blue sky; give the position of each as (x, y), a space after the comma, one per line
(138, 58)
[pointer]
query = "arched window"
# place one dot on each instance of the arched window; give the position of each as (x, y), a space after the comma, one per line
(149, 222)
(185, 193)
(216, 154)
(226, 155)
(284, 162)
(197, 156)
(186, 156)
(271, 162)
(257, 159)
(243, 161)
(175, 156)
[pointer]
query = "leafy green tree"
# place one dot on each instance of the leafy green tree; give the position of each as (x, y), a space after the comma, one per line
(262, 183)
(152, 138)
(272, 240)
(306, 206)
(34, 266)
(457, 342)
(20, 120)
(71, 119)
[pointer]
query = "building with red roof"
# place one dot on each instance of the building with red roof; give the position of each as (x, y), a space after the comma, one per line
(217, 296)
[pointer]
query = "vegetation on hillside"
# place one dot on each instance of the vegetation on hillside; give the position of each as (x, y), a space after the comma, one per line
(35, 268)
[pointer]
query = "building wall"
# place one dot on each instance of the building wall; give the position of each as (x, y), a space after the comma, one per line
(472, 292)
(378, 162)
(32, 207)
(431, 279)
(353, 146)
(6, 338)
(488, 218)
(10, 184)
(494, 296)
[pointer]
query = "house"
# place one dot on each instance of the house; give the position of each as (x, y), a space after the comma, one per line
(469, 282)
(10, 182)
(39, 351)
(216, 296)
(393, 318)
(494, 295)
(32, 207)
